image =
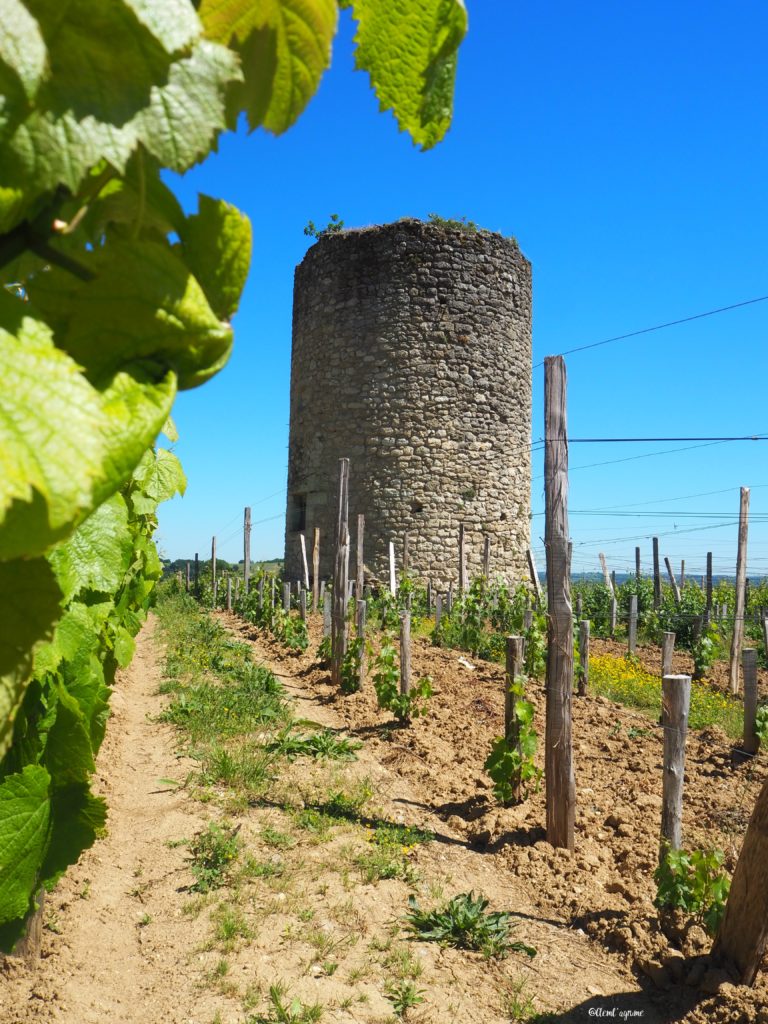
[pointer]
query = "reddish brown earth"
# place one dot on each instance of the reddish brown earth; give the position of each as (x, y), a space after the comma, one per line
(605, 888)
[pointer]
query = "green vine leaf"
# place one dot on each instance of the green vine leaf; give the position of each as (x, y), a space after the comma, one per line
(99, 552)
(217, 248)
(24, 821)
(410, 52)
(284, 46)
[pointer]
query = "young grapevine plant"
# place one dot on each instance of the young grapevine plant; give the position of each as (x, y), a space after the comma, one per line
(386, 683)
(113, 299)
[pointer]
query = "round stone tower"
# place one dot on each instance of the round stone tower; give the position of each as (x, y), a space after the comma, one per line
(412, 357)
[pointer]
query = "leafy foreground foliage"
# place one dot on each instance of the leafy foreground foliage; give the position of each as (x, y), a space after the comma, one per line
(112, 300)
(464, 922)
(510, 763)
(694, 882)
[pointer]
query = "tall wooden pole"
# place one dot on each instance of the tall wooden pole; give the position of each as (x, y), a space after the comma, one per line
(360, 560)
(246, 548)
(673, 581)
(213, 569)
(656, 575)
(315, 569)
(741, 582)
(462, 561)
(560, 781)
(340, 577)
(676, 701)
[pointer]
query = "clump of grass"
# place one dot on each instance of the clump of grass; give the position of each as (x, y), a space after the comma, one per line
(403, 995)
(281, 1011)
(213, 852)
(230, 925)
(323, 744)
(463, 922)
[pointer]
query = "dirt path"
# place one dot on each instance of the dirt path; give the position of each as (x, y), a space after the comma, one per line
(121, 950)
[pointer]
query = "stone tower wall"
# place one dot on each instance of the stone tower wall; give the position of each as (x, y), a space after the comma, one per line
(412, 357)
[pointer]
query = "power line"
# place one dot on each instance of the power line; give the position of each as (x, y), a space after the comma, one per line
(625, 440)
(633, 458)
(660, 327)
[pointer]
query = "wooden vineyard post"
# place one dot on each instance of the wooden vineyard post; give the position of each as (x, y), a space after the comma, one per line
(286, 597)
(361, 613)
(229, 593)
(405, 653)
(708, 614)
(667, 650)
(187, 577)
(527, 619)
(614, 613)
(462, 561)
(487, 557)
(214, 581)
(749, 669)
(304, 566)
(637, 563)
(272, 583)
(340, 577)
(583, 657)
(606, 574)
(676, 701)
(673, 581)
(429, 597)
(632, 631)
(534, 577)
(406, 553)
(743, 935)
(315, 570)
(737, 637)
(560, 781)
(303, 604)
(360, 559)
(449, 598)
(246, 548)
(656, 575)
(514, 671)
(438, 610)
(392, 577)
(327, 613)
(682, 575)
(579, 605)
(197, 576)
(765, 632)
(260, 590)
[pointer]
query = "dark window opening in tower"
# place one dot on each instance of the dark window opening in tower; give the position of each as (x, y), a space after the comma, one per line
(297, 522)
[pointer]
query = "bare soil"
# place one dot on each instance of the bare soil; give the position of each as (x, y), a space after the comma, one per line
(126, 942)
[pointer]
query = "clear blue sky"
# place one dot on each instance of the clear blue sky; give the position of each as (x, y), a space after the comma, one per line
(625, 147)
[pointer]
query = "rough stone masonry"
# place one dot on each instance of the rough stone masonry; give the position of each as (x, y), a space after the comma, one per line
(412, 357)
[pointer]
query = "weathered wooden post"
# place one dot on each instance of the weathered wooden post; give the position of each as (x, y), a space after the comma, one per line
(534, 577)
(327, 615)
(363, 663)
(392, 577)
(667, 650)
(656, 574)
(360, 558)
(560, 781)
(304, 566)
(637, 563)
(214, 580)
(187, 577)
(462, 561)
(405, 652)
(673, 581)
(749, 669)
(583, 657)
(315, 570)
(197, 576)
(229, 593)
(579, 604)
(614, 613)
(260, 592)
(606, 574)
(708, 614)
(737, 637)
(487, 557)
(246, 548)
(406, 553)
(682, 575)
(286, 597)
(528, 620)
(449, 598)
(429, 597)
(676, 701)
(438, 610)
(303, 604)
(632, 631)
(340, 577)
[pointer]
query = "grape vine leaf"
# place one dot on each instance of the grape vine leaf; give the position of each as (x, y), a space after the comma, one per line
(24, 821)
(217, 249)
(77, 816)
(29, 606)
(99, 552)
(284, 47)
(410, 52)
